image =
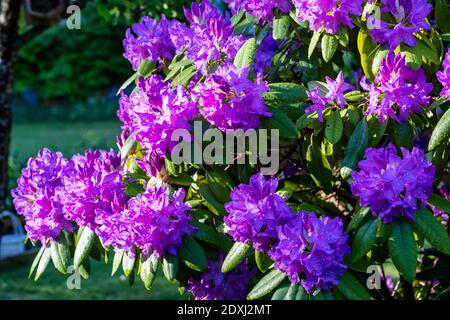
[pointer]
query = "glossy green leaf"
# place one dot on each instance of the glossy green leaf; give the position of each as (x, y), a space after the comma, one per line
(36, 260)
(170, 266)
(334, 127)
(279, 120)
(283, 93)
(117, 261)
(364, 239)
(313, 43)
(441, 132)
(60, 254)
(280, 27)
(442, 15)
(266, 285)
(351, 288)
(319, 168)
(403, 249)
(235, 256)
(431, 229)
(357, 145)
(128, 264)
(148, 271)
(439, 202)
(358, 218)
(43, 263)
(84, 245)
(329, 45)
(262, 261)
(246, 54)
(192, 254)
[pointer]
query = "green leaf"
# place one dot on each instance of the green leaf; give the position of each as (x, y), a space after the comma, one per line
(431, 229)
(442, 15)
(329, 45)
(117, 261)
(319, 168)
(214, 205)
(351, 288)
(367, 51)
(313, 43)
(404, 135)
(291, 294)
(43, 263)
(170, 266)
(377, 58)
(246, 54)
(418, 54)
(441, 132)
(129, 81)
(364, 239)
(283, 93)
(281, 291)
(262, 261)
(235, 256)
(185, 76)
(356, 146)
(85, 242)
(334, 127)
(146, 68)
(192, 254)
(354, 96)
(302, 294)
(60, 254)
(358, 218)
(36, 261)
(280, 27)
(127, 147)
(220, 185)
(128, 264)
(279, 120)
(403, 249)
(267, 284)
(149, 268)
(376, 131)
(209, 235)
(439, 202)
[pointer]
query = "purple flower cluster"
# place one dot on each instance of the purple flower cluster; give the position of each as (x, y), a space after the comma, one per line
(328, 14)
(308, 249)
(255, 211)
(215, 285)
(264, 54)
(209, 39)
(334, 96)
(153, 221)
(311, 250)
(405, 18)
(262, 9)
(393, 186)
(94, 188)
(397, 90)
(444, 76)
(147, 40)
(229, 100)
(154, 111)
(37, 193)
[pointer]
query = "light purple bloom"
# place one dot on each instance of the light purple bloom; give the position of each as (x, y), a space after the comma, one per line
(328, 14)
(215, 285)
(311, 250)
(405, 18)
(393, 186)
(261, 9)
(153, 221)
(397, 90)
(334, 96)
(209, 39)
(444, 76)
(154, 111)
(264, 54)
(36, 196)
(255, 211)
(148, 40)
(229, 100)
(95, 187)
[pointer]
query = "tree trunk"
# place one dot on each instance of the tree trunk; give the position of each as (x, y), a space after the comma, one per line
(9, 17)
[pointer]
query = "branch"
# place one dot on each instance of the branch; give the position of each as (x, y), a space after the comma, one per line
(38, 29)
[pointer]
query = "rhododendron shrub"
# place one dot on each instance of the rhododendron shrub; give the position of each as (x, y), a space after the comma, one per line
(357, 93)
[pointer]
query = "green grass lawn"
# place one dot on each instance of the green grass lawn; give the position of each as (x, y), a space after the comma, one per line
(68, 138)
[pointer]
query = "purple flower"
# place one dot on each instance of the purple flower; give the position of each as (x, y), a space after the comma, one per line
(229, 100)
(255, 211)
(444, 76)
(148, 40)
(154, 111)
(215, 285)
(311, 250)
(264, 55)
(262, 9)
(209, 40)
(403, 19)
(391, 185)
(94, 188)
(334, 96)
(397, 90)
(154, 222)
(36, 196)
(444, 191)
(328, 14)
